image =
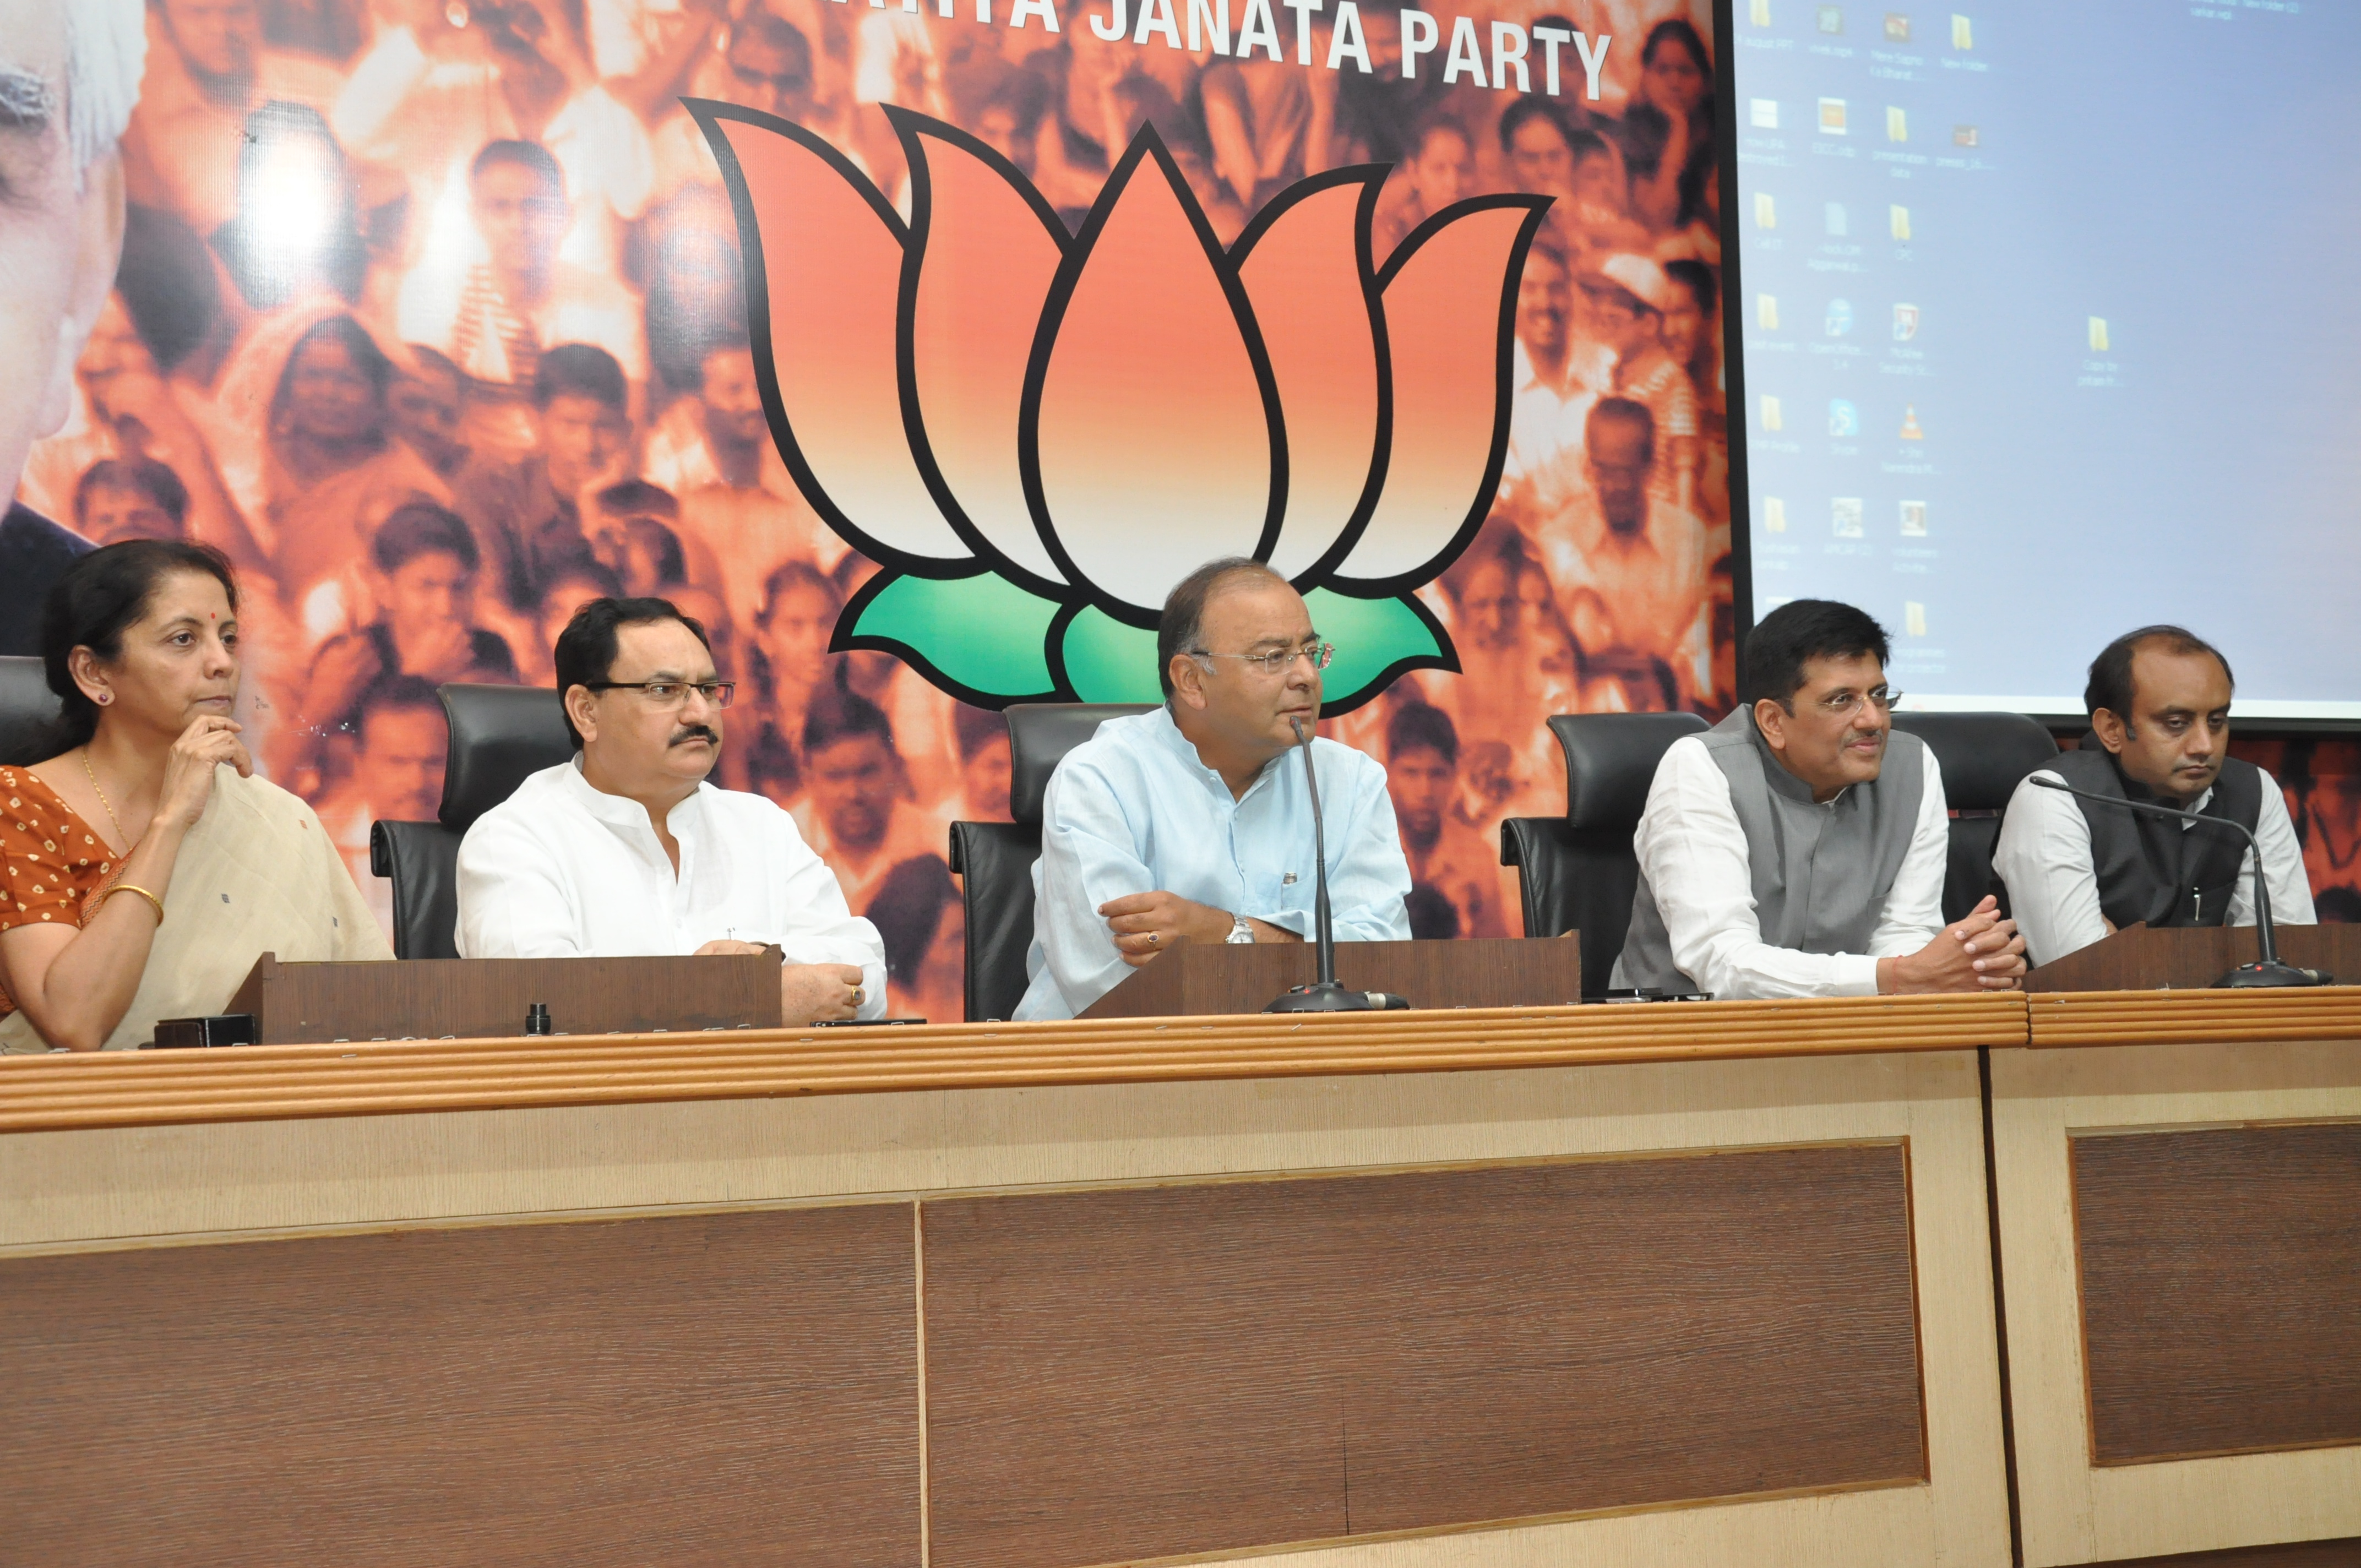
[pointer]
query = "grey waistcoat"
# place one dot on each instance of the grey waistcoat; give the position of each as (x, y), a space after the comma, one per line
(1821, 874)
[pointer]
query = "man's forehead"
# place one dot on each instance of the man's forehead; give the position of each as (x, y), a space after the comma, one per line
(1257, 610)
(1855, 670)
(665, 642)
(2167, 677)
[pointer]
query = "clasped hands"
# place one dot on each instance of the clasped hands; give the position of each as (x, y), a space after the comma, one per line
(1146, 923)
(1982, 952)
(808, 994)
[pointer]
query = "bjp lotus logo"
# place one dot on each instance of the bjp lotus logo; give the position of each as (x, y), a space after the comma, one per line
(1036, 434)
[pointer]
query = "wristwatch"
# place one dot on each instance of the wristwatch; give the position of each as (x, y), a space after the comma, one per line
(1239, 931)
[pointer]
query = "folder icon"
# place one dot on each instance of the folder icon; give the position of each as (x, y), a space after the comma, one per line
(1759, 12)
(1767, 312)
(1962, 33)
(1897, 125)
(1766, 212)
(1832, 116)
(1897, 222)
(1913, 618)
(1771, 420)
(2098, 335)
(1774, 515)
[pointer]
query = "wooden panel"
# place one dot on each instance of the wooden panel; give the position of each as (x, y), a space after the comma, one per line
(2194, 1017)
(2297, 1555)
(2220, 1283)
(727, 1388)
(1477, 971)
(433, 999)
(2193, 958)
(1142, 1372)
(117, 1088)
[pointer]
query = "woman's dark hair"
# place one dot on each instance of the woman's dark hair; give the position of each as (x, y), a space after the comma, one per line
(100, 597)
(368, 358)
(1677, 30)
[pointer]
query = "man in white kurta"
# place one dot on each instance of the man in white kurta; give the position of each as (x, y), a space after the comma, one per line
(628, 850)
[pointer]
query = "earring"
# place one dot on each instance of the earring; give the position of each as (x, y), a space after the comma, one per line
(105, 697)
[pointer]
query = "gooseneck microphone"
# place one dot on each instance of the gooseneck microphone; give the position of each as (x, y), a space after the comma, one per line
(2267, 971)
(1323, 994)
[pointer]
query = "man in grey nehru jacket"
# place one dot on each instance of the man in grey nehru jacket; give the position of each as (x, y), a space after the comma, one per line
(1797, 847)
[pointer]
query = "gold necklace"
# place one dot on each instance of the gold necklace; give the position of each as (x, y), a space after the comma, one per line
(89, 773)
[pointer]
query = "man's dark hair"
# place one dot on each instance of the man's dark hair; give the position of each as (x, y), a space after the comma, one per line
(580, 370)
(387, 693)
(1433, 916)
(1697, 279)
(1797, 633)
(1181, 627)
(144, 475)
(637, 498)
(1417, 726)
(421, 528)
(523, 155)
(585, 649)
(976, 728)
(427, 357)
(1625, 411)
(2110, 685)
(836, 714)
(769, 28)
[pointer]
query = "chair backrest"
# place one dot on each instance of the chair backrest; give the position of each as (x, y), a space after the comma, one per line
(1984, 756)
(994, 859)
(1579, 873)
(28, 707)
(500, 735)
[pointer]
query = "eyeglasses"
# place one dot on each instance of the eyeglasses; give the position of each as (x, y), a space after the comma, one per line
(1278, 660)
(666, 695)
(1844, 704)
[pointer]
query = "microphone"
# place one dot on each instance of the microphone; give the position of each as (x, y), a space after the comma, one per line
(1323, 994)
(2267, 971)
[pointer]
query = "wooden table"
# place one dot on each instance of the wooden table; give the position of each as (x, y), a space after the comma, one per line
(1698, 1284)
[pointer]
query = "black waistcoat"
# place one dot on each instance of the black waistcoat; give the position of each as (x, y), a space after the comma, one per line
(2156, 870)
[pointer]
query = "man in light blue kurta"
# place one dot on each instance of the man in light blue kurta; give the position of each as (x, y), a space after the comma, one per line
(1192, 823)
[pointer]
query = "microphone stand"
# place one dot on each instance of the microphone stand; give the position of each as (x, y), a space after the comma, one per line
(2267, 971)
(1323, 994)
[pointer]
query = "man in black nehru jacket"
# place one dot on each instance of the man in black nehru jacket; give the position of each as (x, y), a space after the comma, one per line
(69, 77)
(2077, 870)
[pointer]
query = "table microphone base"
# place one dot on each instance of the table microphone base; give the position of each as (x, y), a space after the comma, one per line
(1330, 997)
(2247, 977)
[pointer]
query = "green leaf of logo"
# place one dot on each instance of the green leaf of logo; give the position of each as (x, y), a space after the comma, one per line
(981, 638)
(1109, 662)
(1376, 641)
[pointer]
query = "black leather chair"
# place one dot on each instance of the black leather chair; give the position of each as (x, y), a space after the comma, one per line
(1577, 872)
(28, 707)
(1983, 756)
(498, 735)
(994, 859)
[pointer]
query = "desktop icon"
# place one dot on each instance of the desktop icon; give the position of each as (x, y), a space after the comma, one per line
(1844, 419)
(1771, 420)
(1774, 515)
(1766, 211)
(1913, 520)
(1897, 28)
(1897, 223)
(1831, 18)
(1835, 217)
(1911, 429)
(1913, 618)
(1897, 124)
(1962, 32)
(1906, 323)
(1845, 516)
(1966, 136)
(1767, 312)
(1840, 318)
(1832, 116)
(2099, 335)
(1762, 113)
(1759, 12)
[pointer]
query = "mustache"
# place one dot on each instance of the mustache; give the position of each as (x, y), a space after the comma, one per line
(693, 733)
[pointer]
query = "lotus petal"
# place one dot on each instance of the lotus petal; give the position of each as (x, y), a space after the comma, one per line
(1153, 442)
(822, 307)
(1307, 272)
(983, 250)
(1447, 335)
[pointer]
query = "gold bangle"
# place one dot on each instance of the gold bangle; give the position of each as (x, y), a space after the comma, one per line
(151, 898)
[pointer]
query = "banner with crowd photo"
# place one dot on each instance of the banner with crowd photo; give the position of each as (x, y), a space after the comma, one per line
(916, 347)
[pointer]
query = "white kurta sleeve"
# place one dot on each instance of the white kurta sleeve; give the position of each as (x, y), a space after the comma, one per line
(1089, 856)
(516, 900)
(2044, 859)
(816, 926)
(2282, 861)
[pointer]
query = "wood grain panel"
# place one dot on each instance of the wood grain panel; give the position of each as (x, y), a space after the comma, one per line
(2193, 958)
(433, 999)
(2220, 1289)
(124, 1089)
(721, 1388)
(1129, 1373)
(2193, 1017)
(2294, 1554)
(1476, 971)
